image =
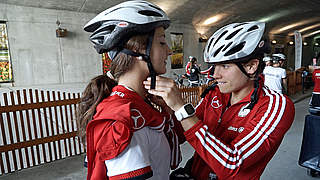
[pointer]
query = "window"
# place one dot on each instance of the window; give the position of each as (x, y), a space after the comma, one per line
(5, 60)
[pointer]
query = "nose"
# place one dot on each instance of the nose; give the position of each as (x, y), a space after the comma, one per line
(216, 73)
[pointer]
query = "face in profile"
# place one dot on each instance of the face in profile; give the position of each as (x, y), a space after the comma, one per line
(159, 51)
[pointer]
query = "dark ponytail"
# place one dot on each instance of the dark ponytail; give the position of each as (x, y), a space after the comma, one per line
(98, 89)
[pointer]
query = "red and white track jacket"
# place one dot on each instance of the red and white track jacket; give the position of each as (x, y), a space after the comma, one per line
(316, 80)
(116, 119)
(235, 143)
(209, 72)
(187, 68)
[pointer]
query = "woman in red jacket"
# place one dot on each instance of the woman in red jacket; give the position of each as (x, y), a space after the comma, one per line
(239, 124)
(126, 136)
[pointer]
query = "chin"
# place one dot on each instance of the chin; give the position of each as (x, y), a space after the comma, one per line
(162, 71)
(224, 90)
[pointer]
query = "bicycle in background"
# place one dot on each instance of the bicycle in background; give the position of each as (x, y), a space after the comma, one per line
(179, 79)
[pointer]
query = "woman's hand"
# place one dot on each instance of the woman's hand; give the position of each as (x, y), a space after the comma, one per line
(167, 89)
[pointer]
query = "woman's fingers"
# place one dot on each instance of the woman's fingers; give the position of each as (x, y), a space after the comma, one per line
(166, 88)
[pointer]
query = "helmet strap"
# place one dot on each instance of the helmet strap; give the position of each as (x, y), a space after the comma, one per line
(240, 66)
(146, 58)
(254, 95)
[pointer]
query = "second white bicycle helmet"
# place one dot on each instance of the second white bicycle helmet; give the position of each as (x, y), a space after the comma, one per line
(279, 56)
(116, 25)
(267, 58)
(235, 42)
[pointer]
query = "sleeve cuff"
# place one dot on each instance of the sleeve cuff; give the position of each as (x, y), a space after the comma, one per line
(190, 132)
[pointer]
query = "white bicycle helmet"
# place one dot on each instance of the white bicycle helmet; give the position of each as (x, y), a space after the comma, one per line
(278, 56)
(267, 58)
(235, 42)
(112, 28)
(116, 25)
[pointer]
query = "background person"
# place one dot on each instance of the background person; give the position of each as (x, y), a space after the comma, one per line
(315, 99)
(126, 137)
(280, 57)
(239, 125)
(267, 60)
(195, 72)
(275, 77)
(187, 68)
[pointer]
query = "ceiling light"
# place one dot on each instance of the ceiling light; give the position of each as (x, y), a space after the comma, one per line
(273, 42)
(310, 34)
(212, 20)
(306, 29)
(290, 43)
(274, 16)
(202, 29)
(305, 43)
(203, 38)
(316, 44)
(171, 6)
(291, 26)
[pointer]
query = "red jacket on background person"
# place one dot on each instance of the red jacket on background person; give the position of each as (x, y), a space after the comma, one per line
(209, 72)
(316, 80)
(187, 68)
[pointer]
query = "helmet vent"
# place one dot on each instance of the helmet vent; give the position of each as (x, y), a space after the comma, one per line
(233, 34)
(112, 11)
(235, 49)
(155, 7)
(150, 13)
(227, 46)
(106, 29)
(222, 34)
(217, 51)
(239, 25)
(209, 45)
(253, 28)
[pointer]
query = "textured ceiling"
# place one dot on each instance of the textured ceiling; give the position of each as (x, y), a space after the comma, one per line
(283, 17)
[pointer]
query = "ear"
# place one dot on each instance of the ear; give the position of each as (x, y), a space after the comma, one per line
(252, 66)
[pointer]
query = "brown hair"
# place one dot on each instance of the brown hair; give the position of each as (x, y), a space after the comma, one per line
(101, 86)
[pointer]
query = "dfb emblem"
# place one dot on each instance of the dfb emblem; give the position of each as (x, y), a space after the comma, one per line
(215, 102)
(138, 119)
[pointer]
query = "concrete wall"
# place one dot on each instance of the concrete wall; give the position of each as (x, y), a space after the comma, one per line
(40, 59)
(192, 47)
